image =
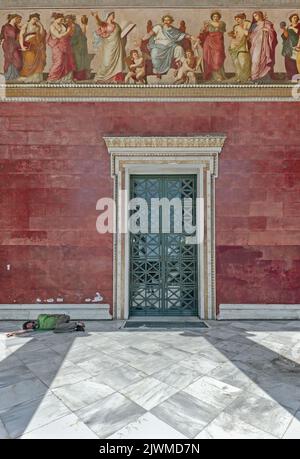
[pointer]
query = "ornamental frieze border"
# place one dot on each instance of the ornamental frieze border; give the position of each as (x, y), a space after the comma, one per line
(167, 93)
(80, 52)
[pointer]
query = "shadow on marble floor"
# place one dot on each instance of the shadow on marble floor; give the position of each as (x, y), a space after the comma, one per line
(26, 375)
(262, 359)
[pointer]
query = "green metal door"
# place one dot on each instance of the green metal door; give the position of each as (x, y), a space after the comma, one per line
(163, 266)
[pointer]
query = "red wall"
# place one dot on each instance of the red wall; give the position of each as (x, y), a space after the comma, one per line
(54, 167)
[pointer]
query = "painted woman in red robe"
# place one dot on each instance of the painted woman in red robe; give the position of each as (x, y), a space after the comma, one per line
(212, 40)
(59, 39)
(9, 37)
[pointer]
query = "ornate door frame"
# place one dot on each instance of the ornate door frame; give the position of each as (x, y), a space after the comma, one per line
(196, 155)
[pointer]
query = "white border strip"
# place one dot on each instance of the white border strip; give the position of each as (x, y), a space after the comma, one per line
(283, 6)
(148, 99)
(144, 87)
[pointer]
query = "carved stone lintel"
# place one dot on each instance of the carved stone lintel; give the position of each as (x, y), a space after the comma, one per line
(204, 141)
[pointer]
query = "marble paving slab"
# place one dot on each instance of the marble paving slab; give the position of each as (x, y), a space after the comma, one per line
(185, 413)
(31, 415)
(120, 377)
(293, 431)
(149, 392)
(147, 426)
(83, 393)
(110, 415)
(23, 391)
(178, 375)
(99, 363)
(151, 364)
(14, 374)
(226, 427)
(213, 392)
(200, 363)
(67, 427)
(261, 413)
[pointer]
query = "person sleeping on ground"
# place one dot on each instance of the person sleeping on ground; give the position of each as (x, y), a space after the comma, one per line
(59, 323)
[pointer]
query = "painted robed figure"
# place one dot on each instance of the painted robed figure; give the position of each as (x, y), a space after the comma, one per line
(263, 40)
(33, 45)
(9, 37)
(79, 47)
(212, 39)
(111, 50)
(59, 39)
(165, 45)
(291, 45)
(239, 49)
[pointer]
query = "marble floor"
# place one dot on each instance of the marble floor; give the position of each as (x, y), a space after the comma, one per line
(232, 380)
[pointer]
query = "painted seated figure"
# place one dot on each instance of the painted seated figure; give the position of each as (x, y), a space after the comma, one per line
(164, 45)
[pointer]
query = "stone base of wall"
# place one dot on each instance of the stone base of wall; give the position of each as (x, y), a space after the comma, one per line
(259, 312)
(75, 311)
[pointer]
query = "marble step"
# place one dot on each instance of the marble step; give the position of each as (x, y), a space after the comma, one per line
(259, 312)
(94, 311)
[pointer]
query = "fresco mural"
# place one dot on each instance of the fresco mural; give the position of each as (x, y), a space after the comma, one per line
(145, 47)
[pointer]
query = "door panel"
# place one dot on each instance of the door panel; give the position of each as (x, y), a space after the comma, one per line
(163, 267)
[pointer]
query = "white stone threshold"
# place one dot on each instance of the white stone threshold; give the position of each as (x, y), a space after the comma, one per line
(164, 319)
(259, 312)
(94, 311)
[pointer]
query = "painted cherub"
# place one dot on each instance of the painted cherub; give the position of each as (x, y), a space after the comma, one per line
(186, 74)
(137, 68)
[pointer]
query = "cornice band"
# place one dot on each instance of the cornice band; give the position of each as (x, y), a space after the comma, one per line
(205, 141)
